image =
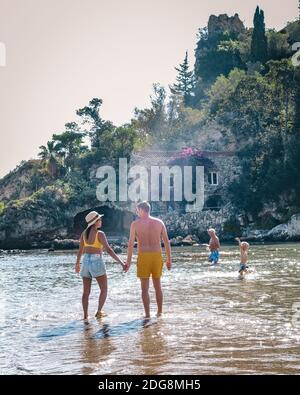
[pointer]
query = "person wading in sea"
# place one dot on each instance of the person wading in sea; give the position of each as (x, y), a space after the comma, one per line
(92, 244)
(149, 232)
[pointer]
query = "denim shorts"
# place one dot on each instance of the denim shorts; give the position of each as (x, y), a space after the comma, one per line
(92, 266)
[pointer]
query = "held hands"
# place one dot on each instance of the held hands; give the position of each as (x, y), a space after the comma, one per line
(123, 266)
(127, 266)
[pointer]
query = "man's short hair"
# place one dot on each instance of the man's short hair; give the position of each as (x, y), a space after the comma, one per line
(145, 206)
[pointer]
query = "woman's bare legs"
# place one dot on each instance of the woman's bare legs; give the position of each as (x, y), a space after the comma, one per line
(85, 296)
(102, 282)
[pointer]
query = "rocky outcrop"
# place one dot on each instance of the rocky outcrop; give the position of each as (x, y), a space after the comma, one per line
(224, 23)
(283, 232)
(19, 183)
(190, 240)
(191, 228)
(289, 231)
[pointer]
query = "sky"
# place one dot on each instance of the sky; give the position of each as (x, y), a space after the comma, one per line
(62, 53)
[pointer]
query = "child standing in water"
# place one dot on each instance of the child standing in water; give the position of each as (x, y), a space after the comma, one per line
(213, 246)
(244, 248)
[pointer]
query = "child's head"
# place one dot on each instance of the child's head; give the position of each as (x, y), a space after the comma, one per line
(245, 246)
(211, 232)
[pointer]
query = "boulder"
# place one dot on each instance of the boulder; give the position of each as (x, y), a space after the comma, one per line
(283, 232)
(188, 241)
(175, 242)
(286, 232)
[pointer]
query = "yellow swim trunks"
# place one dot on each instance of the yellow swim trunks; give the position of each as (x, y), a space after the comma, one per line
(149, 263)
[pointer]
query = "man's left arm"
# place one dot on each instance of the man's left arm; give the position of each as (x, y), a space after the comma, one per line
(167, 245)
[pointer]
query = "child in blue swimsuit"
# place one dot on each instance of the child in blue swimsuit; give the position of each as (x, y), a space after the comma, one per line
(244, 249)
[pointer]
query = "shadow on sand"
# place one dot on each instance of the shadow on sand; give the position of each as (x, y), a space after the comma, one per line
(105, 331)
(58, 331)
(123, 329)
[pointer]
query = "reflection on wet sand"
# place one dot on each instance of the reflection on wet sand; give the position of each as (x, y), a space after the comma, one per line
(95, 353)
(153, 352)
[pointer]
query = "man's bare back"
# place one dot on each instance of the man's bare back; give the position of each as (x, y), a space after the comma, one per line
(148, 232)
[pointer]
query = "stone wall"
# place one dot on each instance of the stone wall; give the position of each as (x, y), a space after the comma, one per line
(198, 223)
(228, 168)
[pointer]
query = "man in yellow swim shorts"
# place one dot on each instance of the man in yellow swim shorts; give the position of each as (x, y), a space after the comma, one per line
(149, 232)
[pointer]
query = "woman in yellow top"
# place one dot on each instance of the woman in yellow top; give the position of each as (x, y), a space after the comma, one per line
(92, 244)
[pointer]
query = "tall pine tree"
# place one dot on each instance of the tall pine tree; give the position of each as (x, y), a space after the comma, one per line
(185, 82)
(294, 148)
(259, 44)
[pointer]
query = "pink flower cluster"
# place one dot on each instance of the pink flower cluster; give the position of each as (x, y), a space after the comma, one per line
(190, 152)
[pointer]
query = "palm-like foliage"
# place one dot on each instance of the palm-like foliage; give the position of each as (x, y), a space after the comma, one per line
(49, 156)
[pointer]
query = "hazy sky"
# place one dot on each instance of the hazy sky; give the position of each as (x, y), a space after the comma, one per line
(62, 53)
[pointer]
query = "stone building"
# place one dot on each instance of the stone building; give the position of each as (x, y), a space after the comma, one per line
(220, 169)
(224, 23)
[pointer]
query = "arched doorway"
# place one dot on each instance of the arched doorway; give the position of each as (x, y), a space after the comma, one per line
(116, 222)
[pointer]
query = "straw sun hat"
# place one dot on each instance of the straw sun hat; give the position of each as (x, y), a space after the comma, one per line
(93, 217)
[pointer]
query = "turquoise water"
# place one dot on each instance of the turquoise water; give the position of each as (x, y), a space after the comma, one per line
(214, 323)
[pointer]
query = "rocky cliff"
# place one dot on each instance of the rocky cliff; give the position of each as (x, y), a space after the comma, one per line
(289, 231)
(224, 23)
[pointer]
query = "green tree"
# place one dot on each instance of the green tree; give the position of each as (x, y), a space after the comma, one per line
(90, 116)
(293, 165)
(259, 44)
(259, 111)
(119, 143)
(184, 86)
(278, 45)
(49, 156)
(217, 54)
(69, 144)
(151, 123)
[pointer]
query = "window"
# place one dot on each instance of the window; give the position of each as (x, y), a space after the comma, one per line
(213, 178)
